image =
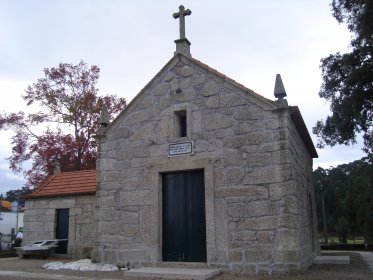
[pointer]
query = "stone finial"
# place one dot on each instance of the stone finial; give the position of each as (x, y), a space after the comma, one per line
(182, 44)
(279, 92)
(57, 166)
(104, 119)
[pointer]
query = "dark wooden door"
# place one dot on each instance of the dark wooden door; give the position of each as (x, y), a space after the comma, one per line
(62, 230)
(184, 226)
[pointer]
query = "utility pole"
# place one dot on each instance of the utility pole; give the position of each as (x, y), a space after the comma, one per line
(323, 214)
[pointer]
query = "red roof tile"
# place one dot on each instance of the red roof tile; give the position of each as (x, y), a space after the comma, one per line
(67, 183)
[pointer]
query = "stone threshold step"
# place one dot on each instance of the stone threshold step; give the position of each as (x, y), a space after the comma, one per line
(202, 265)
(332, 260)
(171, 273)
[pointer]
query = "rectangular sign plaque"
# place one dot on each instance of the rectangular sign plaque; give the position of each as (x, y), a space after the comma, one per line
(180, 149)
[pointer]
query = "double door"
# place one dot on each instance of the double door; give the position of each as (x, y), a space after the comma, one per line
(184, 225)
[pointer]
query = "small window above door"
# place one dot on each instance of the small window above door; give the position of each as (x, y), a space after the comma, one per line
(180, 123)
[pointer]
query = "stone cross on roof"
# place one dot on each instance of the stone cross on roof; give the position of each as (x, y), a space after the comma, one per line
(181, 16)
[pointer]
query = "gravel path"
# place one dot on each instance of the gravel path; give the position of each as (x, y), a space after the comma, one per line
(31, 269)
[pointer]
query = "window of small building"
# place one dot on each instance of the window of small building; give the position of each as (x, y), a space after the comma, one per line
(181, 123)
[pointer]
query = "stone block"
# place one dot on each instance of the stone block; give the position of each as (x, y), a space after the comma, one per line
(217, 121)
(84, 219)
(49, 226)
(286, 256)
(131, 256)
(263, 175)
(235, 141)
(34, 226)
(62, 203)
(272, 123)
(148, 225)
(287, 239)
(237, 210)
(85, 199)
(130, 183)
(111, 176)
(122, 132)
(258, 223)
(163, 128)
(141, 197)
(219, 177)
(161, 89)
(254, 138)
(146, 131)
(291, 204)
(211, 88)
(40, 203)
(287, 221)
(108, 227)
(257, 191)
(212, 102)
(107, 201)
(231, 99)
(258, 208)
(245, 128)
(281, 189)
(139, 116)
(265, 237)
(146, 102)
(246, 235)
(221, 224)
(129, 230)
(258, 160)
(256, 256)
(87, 232)
(106, 214)
(276, 207)
(236, 256)
(110, 186)
(247, 114)
(198, 78)
(235, 175)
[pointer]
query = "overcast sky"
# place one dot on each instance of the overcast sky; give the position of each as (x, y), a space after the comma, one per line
(250, 41)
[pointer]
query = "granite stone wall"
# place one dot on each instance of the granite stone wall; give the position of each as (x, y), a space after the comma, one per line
(257, 173)
(40, 222)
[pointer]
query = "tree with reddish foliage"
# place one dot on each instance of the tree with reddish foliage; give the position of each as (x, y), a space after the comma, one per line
(69, 113)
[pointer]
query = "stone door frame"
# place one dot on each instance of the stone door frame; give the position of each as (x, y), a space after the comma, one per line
(181, 164)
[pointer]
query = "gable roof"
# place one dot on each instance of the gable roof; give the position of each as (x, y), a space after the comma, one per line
(66, 184)
(294, 110)
(297, 118)
(172, 62)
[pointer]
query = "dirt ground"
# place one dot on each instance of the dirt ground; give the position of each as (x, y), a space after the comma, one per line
(357, 270)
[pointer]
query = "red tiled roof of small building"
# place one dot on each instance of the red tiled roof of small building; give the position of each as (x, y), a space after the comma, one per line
(66, 184)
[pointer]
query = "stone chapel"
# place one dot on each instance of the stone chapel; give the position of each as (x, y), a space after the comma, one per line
(197, 169)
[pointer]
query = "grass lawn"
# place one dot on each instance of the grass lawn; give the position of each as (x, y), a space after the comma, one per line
(334, 240)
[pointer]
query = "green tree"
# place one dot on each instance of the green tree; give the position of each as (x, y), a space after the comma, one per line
(348, 80)
(348, 195)
(342, 230)
(17, 195)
